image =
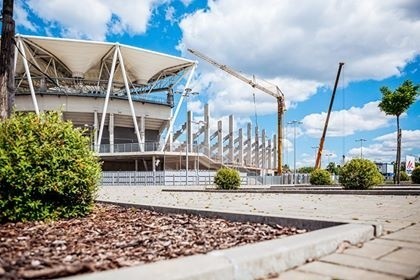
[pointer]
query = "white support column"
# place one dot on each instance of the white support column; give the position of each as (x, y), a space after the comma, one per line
(28, 75)
(95, 129)
(154, 163)
(108, 93)
(249, 144)
(274, 152)
(269, 155)
(256, 148)
(178, 107)
(263, 151)
(231, 143)
(207, 130)
(189, 132)
(240, 148)
(220, 141)
(130, 100)
(111, 132)
(142, 133)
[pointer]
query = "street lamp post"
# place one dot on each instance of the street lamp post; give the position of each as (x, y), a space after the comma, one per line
(361, 140)
(328, 158)
(294, 123)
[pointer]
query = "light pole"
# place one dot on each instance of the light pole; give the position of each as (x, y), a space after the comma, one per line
(294, 123)
(328, 158)
(361, 140)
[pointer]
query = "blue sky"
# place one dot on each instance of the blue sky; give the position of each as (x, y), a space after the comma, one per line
(295, 47)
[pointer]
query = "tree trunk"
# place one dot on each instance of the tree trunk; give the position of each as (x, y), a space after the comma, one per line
(398, 159)
(7, 83)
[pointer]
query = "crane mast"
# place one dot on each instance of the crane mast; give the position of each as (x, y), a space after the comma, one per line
(324, 132)
(278, 94)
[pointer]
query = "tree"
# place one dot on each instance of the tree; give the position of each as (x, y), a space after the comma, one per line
(306, 169)
(395, 103)
(332, 168)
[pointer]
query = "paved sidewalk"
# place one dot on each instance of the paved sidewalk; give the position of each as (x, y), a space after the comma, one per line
(395, 255)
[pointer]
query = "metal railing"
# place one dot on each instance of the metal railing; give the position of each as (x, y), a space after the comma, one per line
(195, 178)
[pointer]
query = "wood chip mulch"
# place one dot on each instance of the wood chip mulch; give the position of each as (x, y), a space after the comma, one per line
(113, 237)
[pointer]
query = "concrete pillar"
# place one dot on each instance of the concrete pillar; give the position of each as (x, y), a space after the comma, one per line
(274, 152)
(269, 155)
(230, 144)
(256, 148)
(136, 165)
(189, 134)
(249, 144)
(240, 148)
(220, 141)
(142, 133)
(154, 163)
(263, 151)
(95, 129)
(111, 132)
(207, 130)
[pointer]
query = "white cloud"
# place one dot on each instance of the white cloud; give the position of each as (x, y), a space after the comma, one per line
(347, 122)
(186, 2)
(96, 18)
(278, 39)
(21, 16)
(385, 148)
(170, 14)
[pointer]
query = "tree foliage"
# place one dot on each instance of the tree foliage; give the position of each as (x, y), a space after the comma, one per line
(395, 103)
(320, 177)
(360, 174)
(47, 170)
(306, 169)
(227, 179)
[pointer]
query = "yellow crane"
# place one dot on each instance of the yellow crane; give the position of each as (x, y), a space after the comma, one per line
(324, 132)
(277, 93)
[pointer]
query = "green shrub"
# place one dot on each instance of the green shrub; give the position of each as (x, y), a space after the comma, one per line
(47, 170)
(360, 174)
(320, 177)
(415, 175)
(227, 179)
(404, 176)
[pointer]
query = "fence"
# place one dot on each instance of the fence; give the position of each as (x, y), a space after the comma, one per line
(199, 177)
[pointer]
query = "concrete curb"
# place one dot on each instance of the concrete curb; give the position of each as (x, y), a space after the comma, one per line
(246, 262)
(310, 224)
(307, 191)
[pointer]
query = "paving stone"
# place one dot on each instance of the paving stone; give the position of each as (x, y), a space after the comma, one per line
(398, 243)
(407, 271)
(405, 256)
(344, 272)
(370, 250)
(300, 275)
(405, 235)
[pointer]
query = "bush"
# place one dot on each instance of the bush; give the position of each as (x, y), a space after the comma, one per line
(47, 170)
(415, 175)
(227, 179)
(360, 174)
(404, 176)
(320, 177)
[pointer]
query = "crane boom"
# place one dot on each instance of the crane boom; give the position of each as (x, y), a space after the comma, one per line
(277, 93)
(324, 132)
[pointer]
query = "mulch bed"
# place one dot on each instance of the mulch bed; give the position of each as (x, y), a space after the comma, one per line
(113, 237)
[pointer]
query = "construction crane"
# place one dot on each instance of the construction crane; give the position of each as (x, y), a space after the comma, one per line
(277, 93)
(324, 132)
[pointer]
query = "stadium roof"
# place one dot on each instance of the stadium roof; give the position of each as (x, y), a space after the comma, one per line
(85, 59)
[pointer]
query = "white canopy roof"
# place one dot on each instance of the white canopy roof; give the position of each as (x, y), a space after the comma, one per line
(84, 58)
